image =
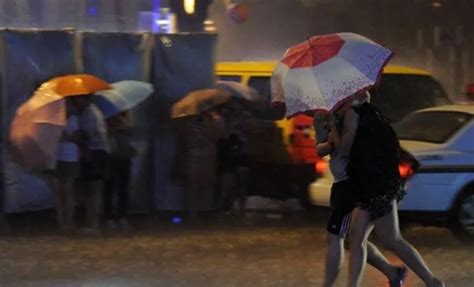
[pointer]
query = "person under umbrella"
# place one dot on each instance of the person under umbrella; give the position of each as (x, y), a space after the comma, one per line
(94, 161)
(67, 168)
(198, 127)
(46, 134)
(120, 159)
(327, 73)
(116, 104)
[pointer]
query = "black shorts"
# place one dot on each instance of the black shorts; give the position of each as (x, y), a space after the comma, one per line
(67, 170)
(343, 201)
(96, 168)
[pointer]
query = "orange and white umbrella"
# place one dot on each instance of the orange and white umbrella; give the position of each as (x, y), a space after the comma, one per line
(40, 121)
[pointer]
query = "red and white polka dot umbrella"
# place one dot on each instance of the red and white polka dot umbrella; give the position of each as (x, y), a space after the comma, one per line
(322, 72)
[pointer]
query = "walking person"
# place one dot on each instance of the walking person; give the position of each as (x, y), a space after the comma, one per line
(117, 183)
(343, 199)
(94, 161)
(67, 169)
(373, 169)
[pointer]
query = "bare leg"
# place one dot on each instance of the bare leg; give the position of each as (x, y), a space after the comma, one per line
(387, 229)
(334, 259)
(360, 231)
(376, 259)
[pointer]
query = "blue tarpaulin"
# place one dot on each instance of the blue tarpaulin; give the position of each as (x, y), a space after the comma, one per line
(29, 58)
(126, 56)
(183, 63)
(175, 64)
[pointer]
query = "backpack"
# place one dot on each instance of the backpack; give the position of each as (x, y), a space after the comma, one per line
(374, 158)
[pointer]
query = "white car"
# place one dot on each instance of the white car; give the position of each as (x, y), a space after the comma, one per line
(442, 188)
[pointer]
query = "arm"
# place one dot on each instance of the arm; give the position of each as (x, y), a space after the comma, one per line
(343, 141)
(323, 149)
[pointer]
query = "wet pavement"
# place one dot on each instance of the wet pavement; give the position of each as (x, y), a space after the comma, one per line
(257, 251)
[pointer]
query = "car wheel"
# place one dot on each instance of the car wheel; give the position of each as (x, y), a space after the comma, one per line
(463, 216)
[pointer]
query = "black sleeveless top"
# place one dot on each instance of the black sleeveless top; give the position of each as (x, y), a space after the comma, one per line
(373, 161)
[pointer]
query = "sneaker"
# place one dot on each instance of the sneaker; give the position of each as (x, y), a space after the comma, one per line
(401, 276)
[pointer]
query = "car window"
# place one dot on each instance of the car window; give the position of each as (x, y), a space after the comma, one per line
(230, 78)
(262, 85)
(400, 94)
(433, 126)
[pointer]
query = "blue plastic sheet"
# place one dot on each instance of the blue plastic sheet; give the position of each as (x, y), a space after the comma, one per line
(176, 64)
(126, 56)
(183, 63)
(29, 58)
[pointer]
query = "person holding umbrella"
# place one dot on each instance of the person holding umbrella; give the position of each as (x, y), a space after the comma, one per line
(116, 105)
(328, 73)
(344, 197)
(373, 167)
(45, 131)
(200, 121)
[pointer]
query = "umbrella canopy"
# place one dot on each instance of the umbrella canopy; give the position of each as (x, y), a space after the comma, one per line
(198, 102)
(73, 85)
(322, 72)
(239, 90)
(123, 96)
(40, 121)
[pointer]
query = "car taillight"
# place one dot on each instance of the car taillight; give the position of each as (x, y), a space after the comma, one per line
(321, 166)
(406, 170)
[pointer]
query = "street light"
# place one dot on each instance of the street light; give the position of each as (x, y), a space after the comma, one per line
(189, 6)
(436, 4)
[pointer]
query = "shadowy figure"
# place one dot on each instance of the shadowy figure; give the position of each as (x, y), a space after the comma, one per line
(117, 183)
(67, 169)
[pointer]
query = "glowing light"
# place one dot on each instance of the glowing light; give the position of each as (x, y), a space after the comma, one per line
(162, 22)
(189, 6)
(437, 4)
(177, 220)
(405, 170)
(321, 166)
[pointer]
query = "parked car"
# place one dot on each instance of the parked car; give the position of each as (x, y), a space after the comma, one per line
(441, 190)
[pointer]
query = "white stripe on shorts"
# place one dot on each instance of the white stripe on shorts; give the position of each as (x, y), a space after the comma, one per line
(346, 224)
